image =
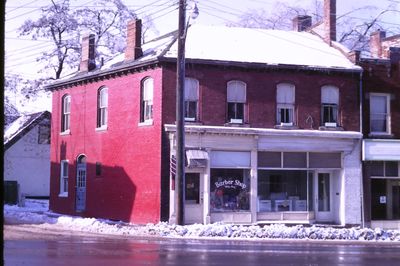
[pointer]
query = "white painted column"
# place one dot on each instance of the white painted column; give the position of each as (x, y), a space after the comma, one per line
(172, 218)
(206, 191)
(253, 181)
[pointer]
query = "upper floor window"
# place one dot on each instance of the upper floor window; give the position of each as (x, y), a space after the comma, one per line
(329, 106)
(146, 105)
(285, 99)
(44, 134)
(66, 113)
(64, 178)
(236, 98)
(102, 107)
(191, 99)
(379, 113)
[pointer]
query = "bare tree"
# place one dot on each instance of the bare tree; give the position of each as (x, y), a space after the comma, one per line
(352, 31)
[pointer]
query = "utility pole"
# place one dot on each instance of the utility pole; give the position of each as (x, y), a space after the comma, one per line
(180, 119)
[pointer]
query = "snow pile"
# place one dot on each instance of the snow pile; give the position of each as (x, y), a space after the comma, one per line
(36, 212)
(273, 231)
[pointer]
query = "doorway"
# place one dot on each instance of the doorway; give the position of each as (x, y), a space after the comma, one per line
(81, 184)
(323, 197)
(193, 198)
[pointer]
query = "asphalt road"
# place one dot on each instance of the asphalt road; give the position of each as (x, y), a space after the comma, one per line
(24, 246)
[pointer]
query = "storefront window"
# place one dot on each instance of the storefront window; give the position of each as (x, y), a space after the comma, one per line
(230, 190)
(282, 190)
(385, 199)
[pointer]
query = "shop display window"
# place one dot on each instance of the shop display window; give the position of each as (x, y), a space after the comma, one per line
(230, 190)
(282, 190)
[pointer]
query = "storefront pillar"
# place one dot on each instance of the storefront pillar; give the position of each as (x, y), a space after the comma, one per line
(206, 193)
(253, 186)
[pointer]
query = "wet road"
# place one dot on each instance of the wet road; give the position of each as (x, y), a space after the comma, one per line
(38, 248)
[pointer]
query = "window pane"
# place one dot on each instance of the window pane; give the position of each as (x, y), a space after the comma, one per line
(325, 160)
(329, 113)
(295, 160)
(323, 192)
(376, 168)
(282, 190)
(269, 159)
(330, 95)
(148, 90)
(236, 91)
(391, 169)
(191, 89)
(378, 123)
(285, 93)
(230, 190)
(235, 111)
(103, 97)
(191, 109)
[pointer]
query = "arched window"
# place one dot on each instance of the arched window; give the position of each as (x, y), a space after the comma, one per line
(102, 107)
(191, 99)
(236, 99)
(329, 106)
(146, 105)
(65, 113)
(285, 99)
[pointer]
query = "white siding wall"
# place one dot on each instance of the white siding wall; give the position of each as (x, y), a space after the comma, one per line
(29, 163)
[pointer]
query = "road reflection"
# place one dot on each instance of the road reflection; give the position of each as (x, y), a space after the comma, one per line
(82, 250)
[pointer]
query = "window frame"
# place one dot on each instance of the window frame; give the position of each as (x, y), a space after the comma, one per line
(387, 114)
(66, 114)
(288, 106)
(188, 103)
(146, 105)
(332, 106)
(102, 111)
(237, 105)
(44, 134)
(64, 180)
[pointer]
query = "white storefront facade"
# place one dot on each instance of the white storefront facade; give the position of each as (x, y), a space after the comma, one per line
(381, 159)
(254, 175)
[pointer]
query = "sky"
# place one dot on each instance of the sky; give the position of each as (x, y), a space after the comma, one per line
(21, 52)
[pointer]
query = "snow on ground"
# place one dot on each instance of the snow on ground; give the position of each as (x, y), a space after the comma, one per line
(36, 212)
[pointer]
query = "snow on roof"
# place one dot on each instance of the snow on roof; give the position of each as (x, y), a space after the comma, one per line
(18, 126)
(272, 47)
(151, 50)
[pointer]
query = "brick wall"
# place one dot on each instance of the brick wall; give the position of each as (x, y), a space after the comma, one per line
(129, 185)
(261, 95)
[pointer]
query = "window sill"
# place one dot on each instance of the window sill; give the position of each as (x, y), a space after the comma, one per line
(63, 195)
(194, 122)
(286, 127)
(324, 128)
(146, 123)
(236, 124)
(102, 128)
(380, 135)
(66, 132)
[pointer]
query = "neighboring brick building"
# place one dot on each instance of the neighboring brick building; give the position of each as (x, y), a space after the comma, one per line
(272, 130)
(381, 130)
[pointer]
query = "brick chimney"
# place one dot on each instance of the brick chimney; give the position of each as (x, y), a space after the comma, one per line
(330, 20)
(88, 58)
(133, 48)
(375, 43)
(394, 55)
(301, 23)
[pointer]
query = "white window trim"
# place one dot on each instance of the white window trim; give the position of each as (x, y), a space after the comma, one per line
(101, 107)
(148, 122)
(62, 192)
(66, 131)
(388, 116)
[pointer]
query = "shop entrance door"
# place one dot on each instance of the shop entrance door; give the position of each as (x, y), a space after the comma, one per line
(193, 198)
(81, 184)
(323, 197)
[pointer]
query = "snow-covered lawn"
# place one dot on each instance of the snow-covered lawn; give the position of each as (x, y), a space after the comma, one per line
(36, 212)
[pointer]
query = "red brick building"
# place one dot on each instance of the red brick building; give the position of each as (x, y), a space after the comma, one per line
(381, 130)
(272, 130)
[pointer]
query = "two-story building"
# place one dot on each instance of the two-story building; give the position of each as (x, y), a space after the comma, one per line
(272, 129)
(381, 129)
